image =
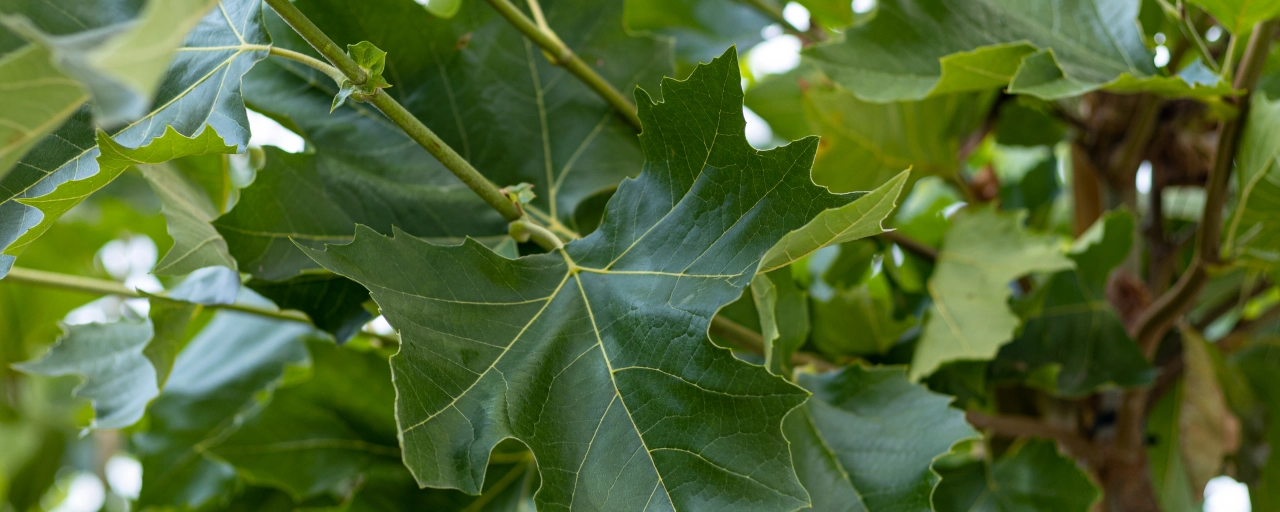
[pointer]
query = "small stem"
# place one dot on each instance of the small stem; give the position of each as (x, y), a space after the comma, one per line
(1228, 57)
(105, 287)
(525, 229)
(752, 341)
(1188, 27)
(318, 40)
(562, 56)
(915, 246)
(310, 61)
(1019, 426)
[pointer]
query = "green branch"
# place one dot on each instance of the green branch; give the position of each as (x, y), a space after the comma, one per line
(398, 114)
(105, 287)
(560, 54)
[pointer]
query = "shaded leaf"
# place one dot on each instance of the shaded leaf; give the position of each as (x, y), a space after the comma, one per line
(324, 434)
(702, 29)
(214, 381)
(334, 304)
(596, 356)
(49, 98)
(483, 88)
(1164, 455)
(970, 317)
(311, 200)
(1030, 476)
(867, 439)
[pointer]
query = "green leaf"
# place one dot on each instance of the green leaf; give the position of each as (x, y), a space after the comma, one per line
(120, 66)
(829, 13)
(334, 304)
(443, 8)
(370, 59)
(865, 144)
(108, 357)
(784, 317)
(970, 317)
(1030, 476)
(1257, 365)
(188, 210)
(867, 439)
(915, 50)
(113, 160)
(213, 383)
(200, 90)
(312, 199)
(321, 436)
(483, 88)
(858, 320)
(596, 356)
(1238, 16)
(1253, 233)
(1076, 328)
(862, 218)
(702, 29)
(49, 98)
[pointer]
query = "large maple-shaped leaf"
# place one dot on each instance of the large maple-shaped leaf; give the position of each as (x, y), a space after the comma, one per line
(867, 439)
(1075, 328)
(596, 356)
(485, 89)
(915, 49)
(201, 88)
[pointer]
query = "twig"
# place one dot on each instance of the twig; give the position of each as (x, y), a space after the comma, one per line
(915, 246)
(562, 56)
(1159, 318)
(1188, 27)
(397, 113)
(752, 341)
(774, 13)
(1023, 426)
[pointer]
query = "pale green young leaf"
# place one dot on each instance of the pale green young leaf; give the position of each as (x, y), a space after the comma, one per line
(596, 356)
(866, 144)
(49, 98)
(784, 317)
(113, 159)
(188, 211)
(201, 89)
(915, 50)
(970, 318)
(1253, 231)
(867, 439)
(1075, 328)
(862, 218)
(370, 59)
(1238, 16)
(121, 66)
(1030, 476)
